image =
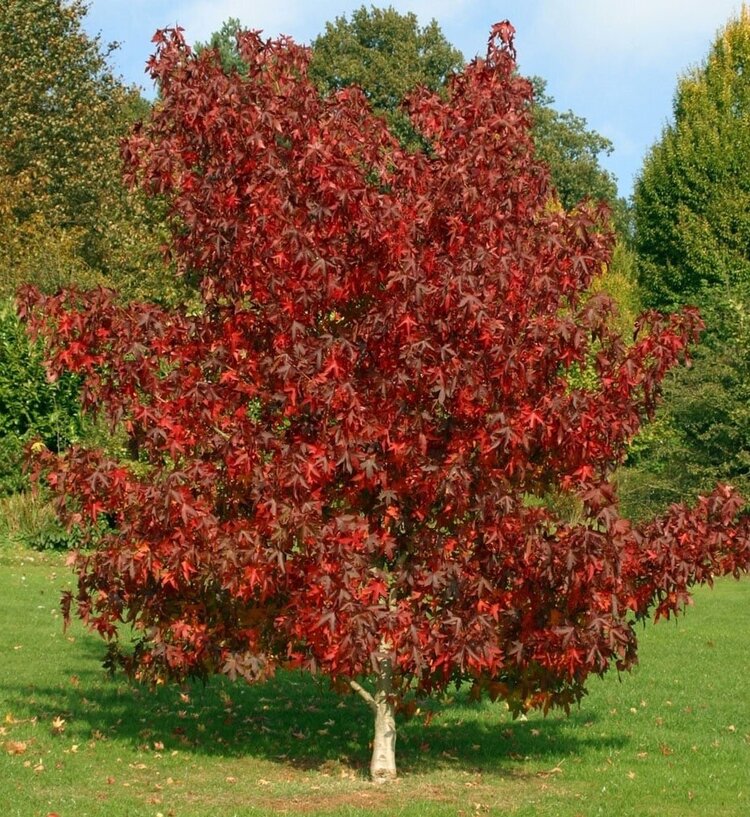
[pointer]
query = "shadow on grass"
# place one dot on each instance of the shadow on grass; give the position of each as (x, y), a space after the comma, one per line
(293, 719)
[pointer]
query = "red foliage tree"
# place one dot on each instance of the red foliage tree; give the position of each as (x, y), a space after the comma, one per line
(365, 454)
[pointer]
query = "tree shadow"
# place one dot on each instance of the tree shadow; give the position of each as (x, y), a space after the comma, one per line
(294, 719)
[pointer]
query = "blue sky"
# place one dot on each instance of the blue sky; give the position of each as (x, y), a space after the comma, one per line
(616, 63)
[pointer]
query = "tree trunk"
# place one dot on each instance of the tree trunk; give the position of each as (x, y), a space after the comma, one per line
(383, 763)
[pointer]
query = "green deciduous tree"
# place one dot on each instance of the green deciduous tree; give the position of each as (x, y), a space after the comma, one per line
(573, 151)
(387, 54)
(66, 217)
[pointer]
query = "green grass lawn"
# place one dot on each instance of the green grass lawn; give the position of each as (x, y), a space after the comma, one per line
(673, 738)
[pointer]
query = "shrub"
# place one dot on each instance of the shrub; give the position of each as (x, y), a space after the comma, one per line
(31, 405)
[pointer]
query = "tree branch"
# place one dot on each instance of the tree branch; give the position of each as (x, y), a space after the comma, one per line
(364, 694)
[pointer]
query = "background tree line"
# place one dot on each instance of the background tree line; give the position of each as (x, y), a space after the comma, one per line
(67, 219)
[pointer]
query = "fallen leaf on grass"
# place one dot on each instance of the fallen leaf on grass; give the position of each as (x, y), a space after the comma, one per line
(16, 747)
(58, 725)
(549, 772)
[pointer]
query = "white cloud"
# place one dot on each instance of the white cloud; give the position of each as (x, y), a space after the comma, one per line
(642, 32)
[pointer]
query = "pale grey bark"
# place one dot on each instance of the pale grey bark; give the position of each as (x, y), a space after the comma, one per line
(383, 763)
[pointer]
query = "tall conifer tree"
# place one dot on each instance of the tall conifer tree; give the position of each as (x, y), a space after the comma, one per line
(692, 200)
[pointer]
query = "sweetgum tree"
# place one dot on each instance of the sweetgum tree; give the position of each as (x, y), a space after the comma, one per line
(365, 455)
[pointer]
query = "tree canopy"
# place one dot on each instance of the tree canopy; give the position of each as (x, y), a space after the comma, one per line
(224, 41)
(387, 55)
(365, 455)
(701, 434)
(692, 219)
(692, 199)
(66, 218)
